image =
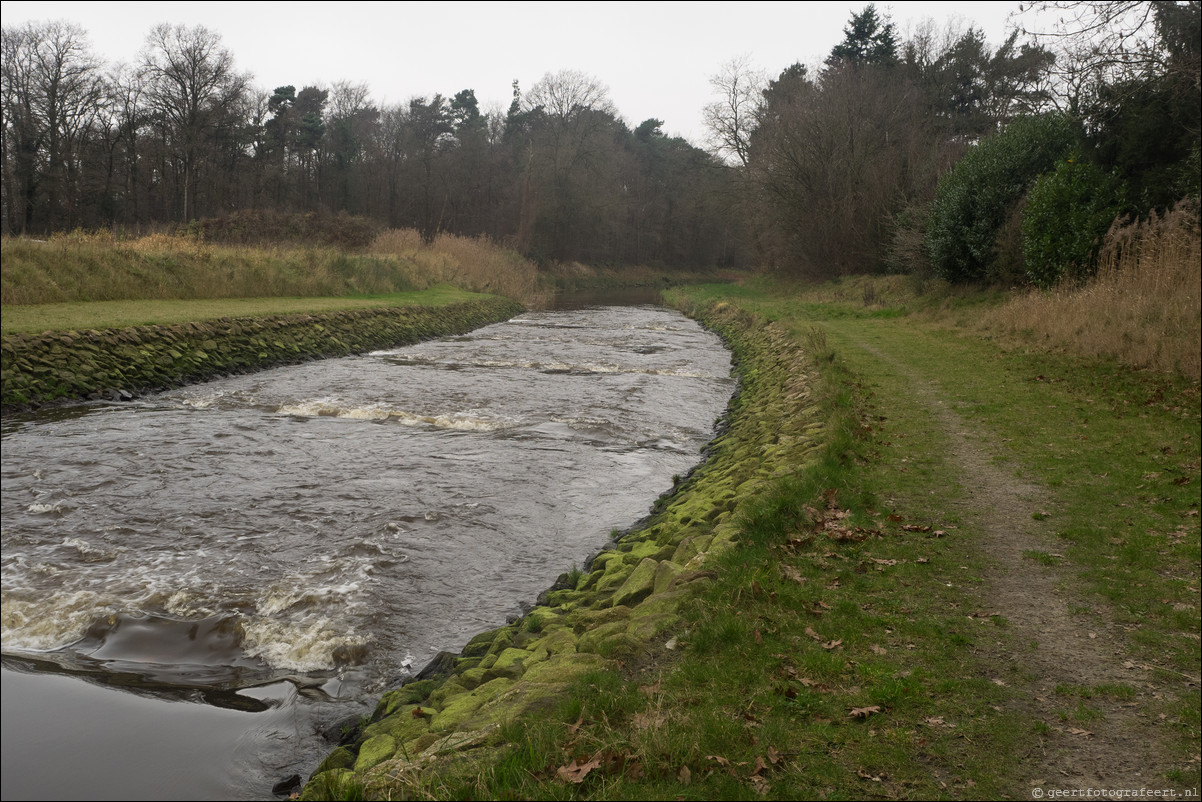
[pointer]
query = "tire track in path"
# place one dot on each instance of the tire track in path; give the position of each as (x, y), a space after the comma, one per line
(1102, 741)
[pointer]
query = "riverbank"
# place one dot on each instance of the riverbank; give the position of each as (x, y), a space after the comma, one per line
(623, 613)
(119, 363)
(889, 579)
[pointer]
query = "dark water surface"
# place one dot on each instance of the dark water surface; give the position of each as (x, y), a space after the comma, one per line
(195, 583)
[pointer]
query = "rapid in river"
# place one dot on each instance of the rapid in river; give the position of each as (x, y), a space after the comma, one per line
(197, 582)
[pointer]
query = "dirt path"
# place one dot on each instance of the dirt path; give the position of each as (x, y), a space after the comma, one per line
(1100, 740)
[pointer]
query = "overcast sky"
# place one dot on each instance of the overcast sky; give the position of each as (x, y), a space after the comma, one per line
(656, 58)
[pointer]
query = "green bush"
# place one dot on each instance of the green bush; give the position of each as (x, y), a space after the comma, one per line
(1068, 213)
(973, 200)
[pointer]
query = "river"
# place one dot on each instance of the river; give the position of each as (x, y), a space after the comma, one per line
(196, 583)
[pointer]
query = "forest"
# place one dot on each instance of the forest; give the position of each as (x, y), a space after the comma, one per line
(935, 154)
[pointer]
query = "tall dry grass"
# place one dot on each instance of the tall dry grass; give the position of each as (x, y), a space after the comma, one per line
(100, 267)
(1144, 307)
(473, 263)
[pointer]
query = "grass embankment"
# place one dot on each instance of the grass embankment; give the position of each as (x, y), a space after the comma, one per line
(856, 641)
(93, 316)
(82, 267)
(82, 315)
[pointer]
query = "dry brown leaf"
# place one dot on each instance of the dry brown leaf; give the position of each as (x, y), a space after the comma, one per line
(774, 757)
(758, 637)
(646, 721)
(685, 776)
(578, 769)
(878, 649)
(650, 690)
(876, 778)
(759, 784)
(1081, 732)
(760, 765)
(864, 712)
(833, 644)
(721, 761)
(809, 631)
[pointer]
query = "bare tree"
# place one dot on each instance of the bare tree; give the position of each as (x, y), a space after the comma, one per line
(52, 86)
(191, 87)
(732, 119)
(1112, 41)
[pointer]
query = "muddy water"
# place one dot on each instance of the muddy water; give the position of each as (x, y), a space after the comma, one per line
(195, 583)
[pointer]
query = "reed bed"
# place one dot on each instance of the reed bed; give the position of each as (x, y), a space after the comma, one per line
(1143, 308)
(101, 267)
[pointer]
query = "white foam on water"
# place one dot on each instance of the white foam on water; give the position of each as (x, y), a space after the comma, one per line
(458, 421)
(34, 625)
(311, 644)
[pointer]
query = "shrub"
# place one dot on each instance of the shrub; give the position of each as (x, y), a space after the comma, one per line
(1068, 213)
(262, 226)
(973, 200)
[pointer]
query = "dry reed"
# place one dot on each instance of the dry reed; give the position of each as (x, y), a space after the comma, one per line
(1143, 308)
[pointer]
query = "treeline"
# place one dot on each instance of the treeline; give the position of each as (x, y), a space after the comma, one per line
(940, 155)
(937, 154)
(182, 135)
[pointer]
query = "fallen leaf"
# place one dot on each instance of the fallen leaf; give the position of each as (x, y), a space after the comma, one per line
(760, 785)
(685, 776)
(646, 721)
(721, 761)
(833, 644)
(1081, 732)
(864, 712)
(650, 690)
(809, 631)
(758, 637)
(578, 769)
(877, 649)
(791, 573)
(773, 756)
(875, 778)
(419, 713)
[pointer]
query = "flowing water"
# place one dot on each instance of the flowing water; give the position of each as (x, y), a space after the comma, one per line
(196, 583)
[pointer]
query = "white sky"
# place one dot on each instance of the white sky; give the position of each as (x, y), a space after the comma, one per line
(656, 58)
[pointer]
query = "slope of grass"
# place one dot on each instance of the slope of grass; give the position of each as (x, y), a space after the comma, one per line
(81, 315)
